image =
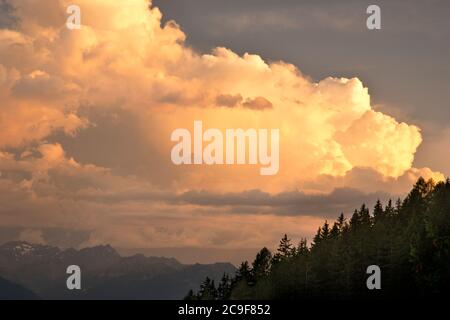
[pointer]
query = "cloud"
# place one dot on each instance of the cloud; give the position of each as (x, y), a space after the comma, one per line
(259, 103)
(63, 238)
(291, 16)
(126, 59)
(7, 18)
(228, 100)
(232, 101)
(291, 203)
(368, 180)
(86, 117)
(379, 139)
(32, 236)
(436, 145)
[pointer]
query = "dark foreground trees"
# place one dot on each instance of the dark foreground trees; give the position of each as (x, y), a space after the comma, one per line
(409, 241)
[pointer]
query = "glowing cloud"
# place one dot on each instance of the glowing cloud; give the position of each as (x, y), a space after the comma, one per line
(123, 63)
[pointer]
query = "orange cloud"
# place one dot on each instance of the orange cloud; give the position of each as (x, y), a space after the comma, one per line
(54, 84)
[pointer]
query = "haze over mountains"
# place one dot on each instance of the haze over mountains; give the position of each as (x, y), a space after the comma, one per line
(105, 274)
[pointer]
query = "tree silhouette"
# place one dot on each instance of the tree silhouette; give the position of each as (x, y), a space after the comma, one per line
(410, 242)
(261, 265)
(208, 290)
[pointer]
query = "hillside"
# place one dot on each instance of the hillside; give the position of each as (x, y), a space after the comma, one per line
(12, 291)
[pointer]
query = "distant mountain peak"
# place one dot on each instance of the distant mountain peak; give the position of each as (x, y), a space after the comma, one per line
(20, 244)
(23, 248)
(101, 250)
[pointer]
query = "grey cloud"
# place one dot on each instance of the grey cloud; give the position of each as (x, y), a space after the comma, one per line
(228, 100)
(7, 18)
(60, 237)
(114, 141)
(254, 201)
(65, 237)
(40, 88)
(258, 103)
(9, 234)
(233, 101)
(288, 203)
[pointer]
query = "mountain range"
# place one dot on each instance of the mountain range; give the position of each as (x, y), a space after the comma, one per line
(13, 291)
(40, 271)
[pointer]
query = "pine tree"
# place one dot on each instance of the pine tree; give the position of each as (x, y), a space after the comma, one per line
(243, 272)
(191, 296)
(398, 206)
(365, 218)
(302, 249)
(378, 212)
(261, 265)
(224, 288)
(208, 290)
(355, 220)
(341, 223)
(325, 232)
(285, 250)
(334, 233)
(437, 223)
(318, 237)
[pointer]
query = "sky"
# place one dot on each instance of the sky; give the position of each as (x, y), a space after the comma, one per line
(86, 118)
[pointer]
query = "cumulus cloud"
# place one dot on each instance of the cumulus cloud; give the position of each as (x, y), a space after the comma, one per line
(111, 93)
(127, 59)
